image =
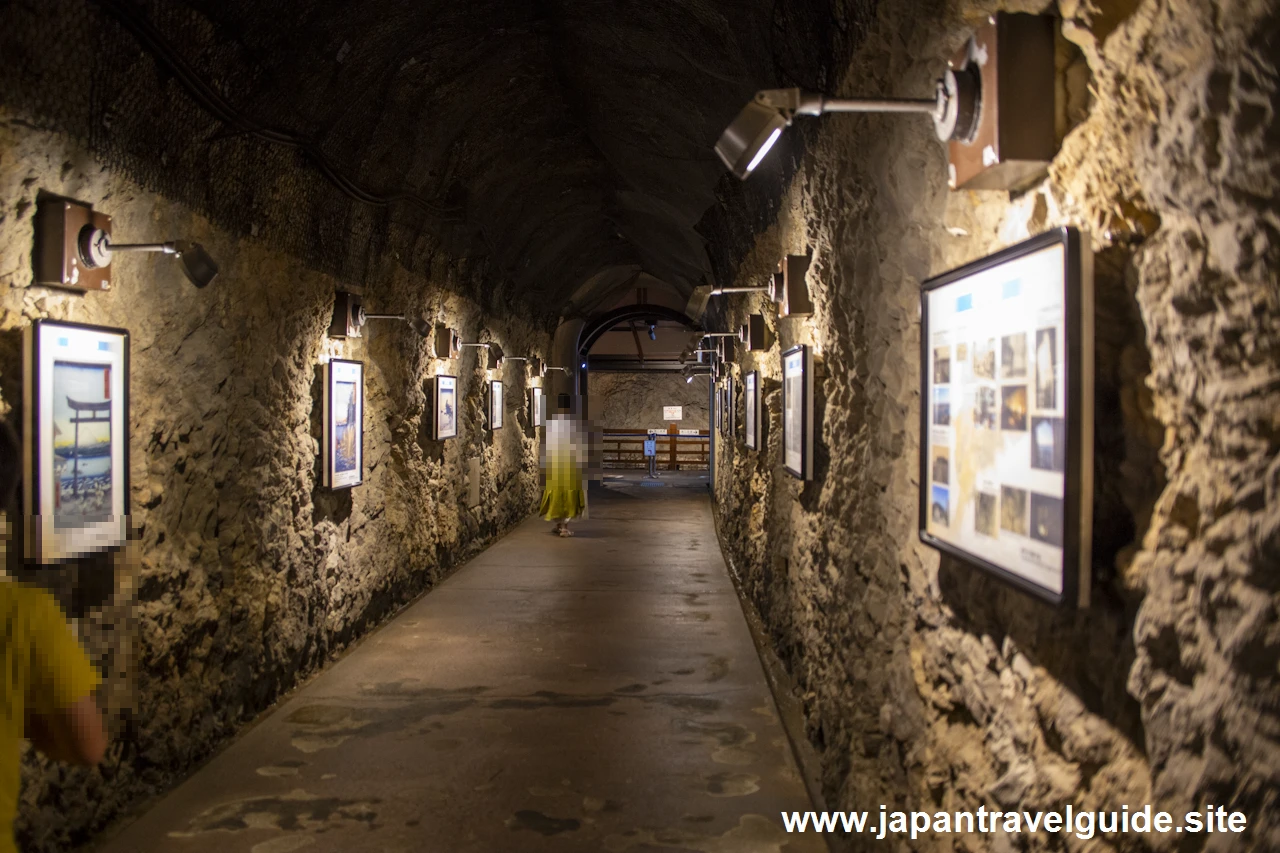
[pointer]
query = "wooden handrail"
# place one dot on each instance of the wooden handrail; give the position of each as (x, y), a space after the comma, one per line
(624, 448)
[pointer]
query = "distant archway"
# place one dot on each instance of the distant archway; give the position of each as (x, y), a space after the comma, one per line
(601, 323)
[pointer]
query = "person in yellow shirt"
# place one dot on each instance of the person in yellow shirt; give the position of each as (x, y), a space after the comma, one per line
(46, 680)
(48, 686)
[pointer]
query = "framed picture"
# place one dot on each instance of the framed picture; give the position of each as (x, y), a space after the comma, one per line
(495, 404)
(797, 412)
(1006, 449)
(446, 413)
(75, 439)
(343, 424)
(726, 407)
(535, 407)
(751, 408)
(716, 400)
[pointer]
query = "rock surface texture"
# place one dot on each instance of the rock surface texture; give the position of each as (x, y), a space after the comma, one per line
(490, 165)
(247, 575)
(926, 684)
(636, 400)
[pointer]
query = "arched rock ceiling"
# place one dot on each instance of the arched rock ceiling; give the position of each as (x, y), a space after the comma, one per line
(576, 137)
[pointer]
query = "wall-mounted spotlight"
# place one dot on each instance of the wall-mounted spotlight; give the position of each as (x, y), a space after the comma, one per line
(349, 317)
(747, 140)
(724, 344)
(994, 105)
(546, 368)
(445, 342)
(792, 291)
(493, 353)
(502, 360)
(691, 371)
(755, 334)
(74, 248)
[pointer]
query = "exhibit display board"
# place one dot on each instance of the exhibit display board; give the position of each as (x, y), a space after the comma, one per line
(797, 411)
(446, 407)
(343, 464)
(672, 413)
(495, 404)
(535, 406)
(75, 439)
(1006, 414)
(751, 408)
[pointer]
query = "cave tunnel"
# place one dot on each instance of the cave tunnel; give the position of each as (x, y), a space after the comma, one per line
(758, 426)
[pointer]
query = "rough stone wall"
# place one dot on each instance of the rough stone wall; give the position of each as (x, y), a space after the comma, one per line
(247, 575)
(927, 684)
(635, 400)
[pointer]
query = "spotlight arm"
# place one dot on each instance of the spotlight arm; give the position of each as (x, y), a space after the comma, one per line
(95, 248)
(168, 248)
(719, 291)
(793, 102)
(877, 105)
(418, 325)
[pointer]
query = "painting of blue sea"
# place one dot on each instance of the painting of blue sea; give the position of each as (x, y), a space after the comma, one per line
(346, 426)
(82, 441)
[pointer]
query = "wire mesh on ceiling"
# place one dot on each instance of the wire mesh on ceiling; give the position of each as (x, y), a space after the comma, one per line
(73, 67)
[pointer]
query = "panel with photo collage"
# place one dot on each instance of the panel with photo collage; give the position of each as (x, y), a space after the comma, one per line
(995, 449)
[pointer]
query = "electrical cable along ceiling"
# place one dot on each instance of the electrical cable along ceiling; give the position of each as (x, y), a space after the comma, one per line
(562, 142)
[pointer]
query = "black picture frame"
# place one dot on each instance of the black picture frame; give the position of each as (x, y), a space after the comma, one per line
(797, 416)
(751, 409)
(535, 407)
(1002, 507)
(727, 406)
(342, 443)
(718, 404)
(444, 421)
(496, 392)
(48, 538)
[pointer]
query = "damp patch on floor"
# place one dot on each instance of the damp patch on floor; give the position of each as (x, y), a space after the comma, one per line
(728, 740)
(296, 811)
(536, 821)
(732, 784)
(281, 768)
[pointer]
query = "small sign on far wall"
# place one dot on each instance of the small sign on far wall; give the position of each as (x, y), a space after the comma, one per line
(673, 413)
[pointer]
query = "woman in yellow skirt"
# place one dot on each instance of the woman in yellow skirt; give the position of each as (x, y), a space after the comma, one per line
(563, 497)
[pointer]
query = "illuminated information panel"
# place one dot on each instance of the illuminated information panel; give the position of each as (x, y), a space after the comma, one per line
(1006, 415)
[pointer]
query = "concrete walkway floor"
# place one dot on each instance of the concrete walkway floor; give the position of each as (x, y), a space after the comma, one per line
(597, 693)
